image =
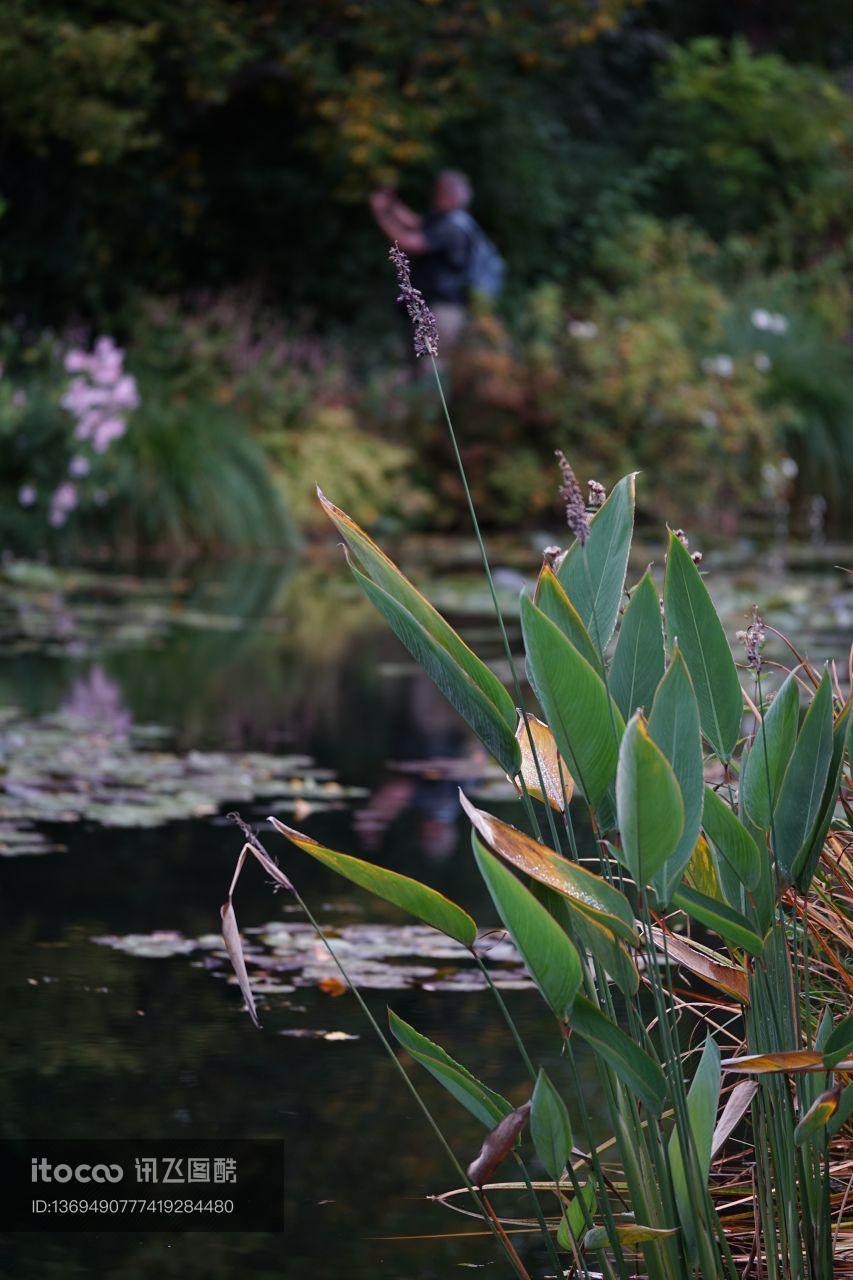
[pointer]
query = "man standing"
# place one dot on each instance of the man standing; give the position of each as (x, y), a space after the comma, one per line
(442, 246)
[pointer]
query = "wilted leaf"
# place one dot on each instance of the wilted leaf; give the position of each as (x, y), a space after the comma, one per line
(584, 891)
(627, 1233)
(234, 947)
(709, 965)
(732, 1113)
(818, 1116)
(794, 1060)
(498, 1144)
(559, 783)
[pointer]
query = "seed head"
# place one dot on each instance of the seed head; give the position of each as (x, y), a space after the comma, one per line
(570, 491)
(424, 326)
(596, 496)
(753, 641)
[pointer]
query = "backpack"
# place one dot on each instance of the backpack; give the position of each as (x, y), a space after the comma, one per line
(486, 269)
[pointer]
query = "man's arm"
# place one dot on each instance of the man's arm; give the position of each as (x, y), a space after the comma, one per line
(399, 223)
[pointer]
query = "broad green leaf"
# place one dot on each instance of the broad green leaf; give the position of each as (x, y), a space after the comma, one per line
(556, 605)
(632, 1065)
(545, 948)
(385, 574)
(585, 892)
(791, 1060)
(692, 621)
(770, 754)
(418, 899)
(483, 1103)
(813, 1124)
(839, 1043)
(550, 1127)
(638, 661)
(844, 1112)
(542, 764)
(674, 726)
(593, 576)
(629, 1234)
(648, 803)
(801, 794)
(455, 681)
(576, 1217)
(723, 919)
(809, 855)
(731, 839)
(607, 948)
(702, 1100)
(584, 720)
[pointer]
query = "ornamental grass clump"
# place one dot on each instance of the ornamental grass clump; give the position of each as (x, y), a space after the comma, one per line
(681, 896)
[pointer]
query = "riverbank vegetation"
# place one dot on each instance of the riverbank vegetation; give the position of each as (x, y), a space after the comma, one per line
(672, 193)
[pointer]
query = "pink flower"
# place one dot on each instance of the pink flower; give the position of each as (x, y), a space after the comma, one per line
(79, 466)
(64, 497)
(27, 495)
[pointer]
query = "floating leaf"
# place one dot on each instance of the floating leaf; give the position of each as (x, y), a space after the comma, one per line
(818, 1116)
(628, 1234)
(550, 1127)
(547, 762)
(584, 720)
(412, 896)
(692, 621)
(702, 1101)
(648, 802)
(545, 948)
(801, 793)
(631, 1063)
(498, 1144)
(483, 1103)
(724, 920)
(593, 576)
(638, 661)
(731, 839)
(674, 726)
(770, 754)
(584, 891)
(556, 605)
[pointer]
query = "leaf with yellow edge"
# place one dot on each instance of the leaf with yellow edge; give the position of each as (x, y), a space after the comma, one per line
(559, 783)
(583, 891)
(627, 1233)
(818, 1116)
(794, 1060)
(418, 899)
(701, 872)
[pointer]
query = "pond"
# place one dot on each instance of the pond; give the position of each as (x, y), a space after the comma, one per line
(136, 712)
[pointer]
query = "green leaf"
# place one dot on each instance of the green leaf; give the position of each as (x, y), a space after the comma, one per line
(609, 950)
(801, 794)
(573, 696)
(550, 1127)
(593, 576)
(556, 605)
(808, 857)
(632, 1065)
(418, 899)
(818, 1116)
(731, 839)
(638, 661)
(839, 1043)
(648, 803)
(576, 1217)
(844, 1112)
(692, 621)
(770, 754)
(455, 682)
(585, 892)
(629, 1234)
(724, 920)
(674, 726)
(702, 1100)
(418, 624)
(545, 948)
(483, 1103)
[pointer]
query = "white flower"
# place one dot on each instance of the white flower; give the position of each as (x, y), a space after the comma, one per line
(761, 319)
(722, 365)
(583, 329)
(789, 468)
(708, 419)
(762, 362)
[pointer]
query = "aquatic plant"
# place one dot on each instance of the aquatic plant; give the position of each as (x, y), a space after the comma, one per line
(680, 830)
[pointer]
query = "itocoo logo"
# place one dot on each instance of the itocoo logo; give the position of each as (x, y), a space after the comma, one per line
(43, 1171)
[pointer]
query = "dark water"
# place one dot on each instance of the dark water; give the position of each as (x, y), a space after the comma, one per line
(97, 1043)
